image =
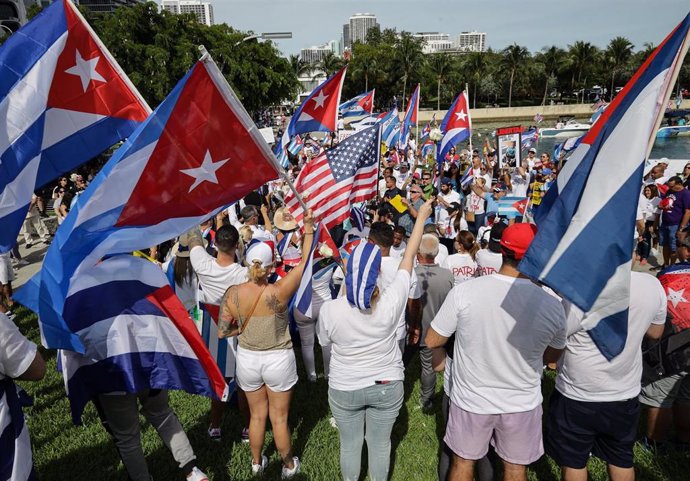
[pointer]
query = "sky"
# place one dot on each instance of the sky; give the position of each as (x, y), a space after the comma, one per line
(532, 23)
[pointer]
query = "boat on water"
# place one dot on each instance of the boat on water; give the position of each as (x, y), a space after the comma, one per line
(569, 128)
(675, 124)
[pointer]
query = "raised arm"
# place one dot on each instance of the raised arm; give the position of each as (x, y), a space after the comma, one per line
(288, 285)
(416, 237)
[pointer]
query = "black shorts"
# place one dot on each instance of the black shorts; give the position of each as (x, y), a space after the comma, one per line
(607, 430)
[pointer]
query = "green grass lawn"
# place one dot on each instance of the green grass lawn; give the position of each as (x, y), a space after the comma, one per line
(63, 451)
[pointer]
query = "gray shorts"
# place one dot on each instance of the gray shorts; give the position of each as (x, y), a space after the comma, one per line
(516, 437)
(666, 391)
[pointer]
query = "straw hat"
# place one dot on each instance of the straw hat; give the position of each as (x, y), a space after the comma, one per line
(283, 219)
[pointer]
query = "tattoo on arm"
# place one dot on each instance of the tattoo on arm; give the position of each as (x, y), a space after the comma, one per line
(274, 303)
(226, 321)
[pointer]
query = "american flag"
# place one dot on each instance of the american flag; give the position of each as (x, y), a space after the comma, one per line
(338, 178)
(538, 118)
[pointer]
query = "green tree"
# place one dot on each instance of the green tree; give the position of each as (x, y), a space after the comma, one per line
(553, 59)
(298, 65)
(330, 63)
(364, 63)
(583, 56)
(618, 55)
(514, 58)
(440, 64)
(475, 66)
(408, 57)
(156, 49)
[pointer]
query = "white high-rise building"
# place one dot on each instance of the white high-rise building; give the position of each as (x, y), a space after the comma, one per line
(360, 23)
(472, 42)
(434, 42)
(335, 47)
(314, 55)
(202, 9)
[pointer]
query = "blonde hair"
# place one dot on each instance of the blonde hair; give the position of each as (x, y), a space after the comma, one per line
(246, 234)
(257, 273)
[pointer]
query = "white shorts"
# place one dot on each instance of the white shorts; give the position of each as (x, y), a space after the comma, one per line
(6, 272)
(276, 369)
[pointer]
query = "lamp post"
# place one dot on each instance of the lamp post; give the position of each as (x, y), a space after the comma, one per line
(266, 36)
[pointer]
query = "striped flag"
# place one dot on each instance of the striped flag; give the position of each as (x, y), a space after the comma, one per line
(137, 335)
(410, 117)
(358, 217)
(528, 137)
(538, 118)
(16, 462)
(338, 178)
(323, 257)
(576, 252)
(511, 207)
(362, 104)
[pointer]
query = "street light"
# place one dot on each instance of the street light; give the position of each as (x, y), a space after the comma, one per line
(266, 36)
(7, 28)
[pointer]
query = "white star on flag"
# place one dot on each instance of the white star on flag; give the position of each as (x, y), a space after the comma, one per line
(85, 70)
(319, 99)
(205, 172)
(676, 297)
(461, 115)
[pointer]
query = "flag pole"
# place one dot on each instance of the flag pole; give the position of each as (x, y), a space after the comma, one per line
(469, 118)
(668, 89)
(245, 119)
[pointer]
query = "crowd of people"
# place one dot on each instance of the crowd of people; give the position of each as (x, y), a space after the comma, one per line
(430, 269)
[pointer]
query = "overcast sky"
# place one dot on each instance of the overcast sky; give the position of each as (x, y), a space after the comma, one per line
(532, 23)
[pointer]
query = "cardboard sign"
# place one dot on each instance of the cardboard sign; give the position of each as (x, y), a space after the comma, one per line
(509, 142)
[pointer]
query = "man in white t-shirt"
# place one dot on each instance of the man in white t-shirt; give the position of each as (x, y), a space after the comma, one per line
(398, 248)
(215, 276)
(519, 180)
(19, 359)
(381, 234)
(489, 260)
(445, 198)
(594, 409)
(506, 327)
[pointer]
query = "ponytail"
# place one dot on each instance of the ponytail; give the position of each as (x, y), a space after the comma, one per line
(467, 241)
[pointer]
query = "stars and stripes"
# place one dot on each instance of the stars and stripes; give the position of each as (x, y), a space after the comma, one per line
(576, 252)
(338, 178)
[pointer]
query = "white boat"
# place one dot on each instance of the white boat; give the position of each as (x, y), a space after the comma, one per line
(675, 131)
(571, 128)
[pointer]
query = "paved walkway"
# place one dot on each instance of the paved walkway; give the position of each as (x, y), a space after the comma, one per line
(33, 255)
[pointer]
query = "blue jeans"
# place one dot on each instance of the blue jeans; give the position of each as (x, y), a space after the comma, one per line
(378, 407)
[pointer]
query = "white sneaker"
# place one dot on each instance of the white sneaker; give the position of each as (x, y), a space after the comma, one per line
(197, 475)
(258, 469)
(289, 473)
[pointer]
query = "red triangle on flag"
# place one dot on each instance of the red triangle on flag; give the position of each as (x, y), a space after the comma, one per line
(520, 205)
(204, 158)
(85, 79)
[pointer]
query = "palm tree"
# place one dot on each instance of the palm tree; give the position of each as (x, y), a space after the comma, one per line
(514, 57)
(440, 64)
(582, 56)
(298, 65)
(364, 63)
(330, 63)
(553, 59)
(409, 57)
(475, 67)
(618, 54)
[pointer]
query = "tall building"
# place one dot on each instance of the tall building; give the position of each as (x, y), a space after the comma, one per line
(434, 42)
(106, 6)
(202, 9)
(335, 47)
(314, 55)
(472, 42)
(347, 44)
(360, 23)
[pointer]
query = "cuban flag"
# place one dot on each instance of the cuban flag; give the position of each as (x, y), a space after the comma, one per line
(528, 137)
(410, 117)
(456, 125)
(137, 335)
(16, 462)
(392, 139)
(63, 101)
(427, 128)
(429, 148)
(363, 104)
(597, 113)
(323, 257)
(576, 252)
(512, 207)
(319, 112)
(186, 161)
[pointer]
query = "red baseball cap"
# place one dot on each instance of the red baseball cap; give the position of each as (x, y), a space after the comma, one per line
(518, 237)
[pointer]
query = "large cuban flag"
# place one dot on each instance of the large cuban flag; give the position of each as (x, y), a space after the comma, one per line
(410, 118)
(63, 101)
(456, 125)
(584, 245)
(199, 151)
(358, 106)
(137, 334)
